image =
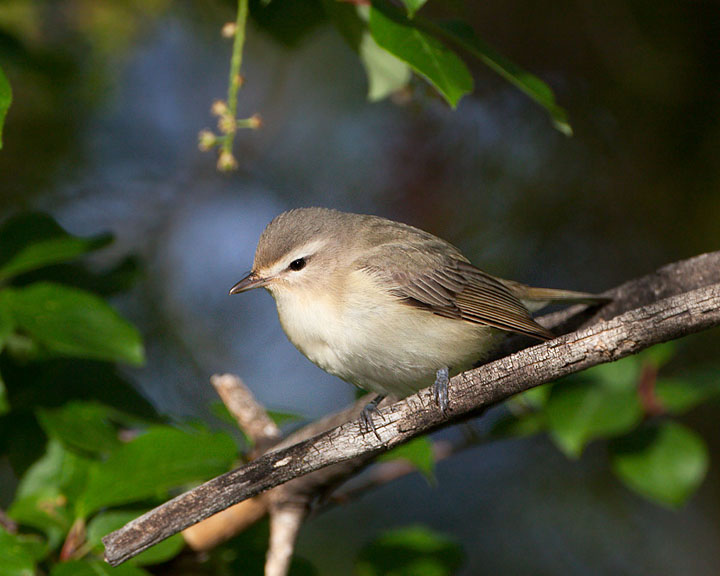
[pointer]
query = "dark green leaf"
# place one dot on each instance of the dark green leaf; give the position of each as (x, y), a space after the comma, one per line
(621, 375)
(413, 6)
(84, 426)
(32, 240)
(44, 253)
(95, 568)
(119, 278)
(519, 425)
(156, 461)
(106, 522)
(533, 399)
(678, 395)
(69, 322)
(22, 441)
(419, 452)
(423, 53)
(54, 382)
(658, 355)
(578, 412)
(665, 463)
(287, 21)
(18, 554)
(465, 36)
(386, 74)
(412, 551)
(5, 101)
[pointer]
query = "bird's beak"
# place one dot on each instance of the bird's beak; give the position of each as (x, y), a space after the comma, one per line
(250, 281)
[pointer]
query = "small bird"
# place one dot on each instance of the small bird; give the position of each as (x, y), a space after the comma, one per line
(386, 306)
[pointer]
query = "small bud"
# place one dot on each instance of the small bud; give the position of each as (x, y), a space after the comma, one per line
(226, 162)
(255, 121)
(206, 140)
(239, 80)
(219, 107)
(227, 124)
(229, 30)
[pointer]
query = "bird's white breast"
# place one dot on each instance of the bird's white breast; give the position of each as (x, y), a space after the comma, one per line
(366, 336)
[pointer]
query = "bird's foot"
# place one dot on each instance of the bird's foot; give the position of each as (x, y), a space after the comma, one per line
(440, 389)
(366, 416)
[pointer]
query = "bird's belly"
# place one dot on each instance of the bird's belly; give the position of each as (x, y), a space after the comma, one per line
(381, 346)
(401, 355)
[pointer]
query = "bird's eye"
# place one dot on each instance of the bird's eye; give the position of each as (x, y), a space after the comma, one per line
(298, 264)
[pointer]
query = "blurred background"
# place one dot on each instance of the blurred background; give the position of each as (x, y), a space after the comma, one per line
(102, 133)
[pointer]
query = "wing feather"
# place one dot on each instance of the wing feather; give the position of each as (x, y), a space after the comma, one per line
(444, 283)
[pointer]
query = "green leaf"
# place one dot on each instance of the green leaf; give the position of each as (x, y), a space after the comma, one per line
(160, 459)
(386, 74)
(519, 426)
(679, 395)
(578, 412)
(47, 491)
(411, 551)
(412, 6)
(533, 399)
(83, 426)
(95, 568)
(289, 22)
(423, 53)
(419, 452)
(18, 554)
(32, 240)
(658, 355)
(106, 522)
(69, 322)
(48, 252)
(463, 34)
(664, 463)
(5, 101)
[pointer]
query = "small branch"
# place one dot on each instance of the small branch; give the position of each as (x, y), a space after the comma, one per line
(285, 523)
(251, 416)
(693, 304)
(227, 160)
(228, 122)
(220, 527)
(253, 420)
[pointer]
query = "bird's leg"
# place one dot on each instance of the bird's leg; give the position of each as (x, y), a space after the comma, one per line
(366, 420)
(440, 389)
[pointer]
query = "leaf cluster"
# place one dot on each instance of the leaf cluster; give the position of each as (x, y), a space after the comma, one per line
(394, 41)
(631, 407)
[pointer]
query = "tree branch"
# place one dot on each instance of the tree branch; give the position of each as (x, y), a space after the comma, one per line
(677, 300)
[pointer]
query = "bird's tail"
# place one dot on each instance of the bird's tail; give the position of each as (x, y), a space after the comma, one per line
(537, 298)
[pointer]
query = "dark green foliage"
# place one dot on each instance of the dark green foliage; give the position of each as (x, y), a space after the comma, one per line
(630, 404)
(412, 551)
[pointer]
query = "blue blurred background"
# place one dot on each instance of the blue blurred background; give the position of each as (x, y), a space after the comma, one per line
(109, 98)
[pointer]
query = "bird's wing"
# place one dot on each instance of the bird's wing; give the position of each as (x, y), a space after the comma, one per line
(445, 283)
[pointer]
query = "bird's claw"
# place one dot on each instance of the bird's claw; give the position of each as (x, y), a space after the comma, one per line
(366, 416)
(440, 389)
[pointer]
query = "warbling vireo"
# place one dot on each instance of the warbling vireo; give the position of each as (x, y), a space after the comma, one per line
(385, 306)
